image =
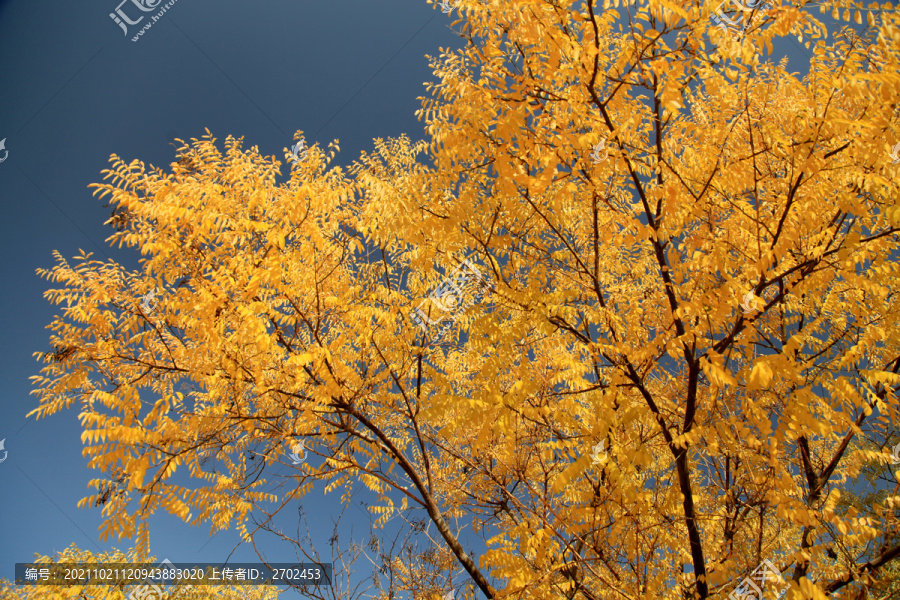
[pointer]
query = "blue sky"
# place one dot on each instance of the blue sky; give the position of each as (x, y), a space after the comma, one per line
(74, 90)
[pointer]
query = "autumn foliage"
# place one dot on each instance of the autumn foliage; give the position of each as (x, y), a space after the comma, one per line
(712, 297)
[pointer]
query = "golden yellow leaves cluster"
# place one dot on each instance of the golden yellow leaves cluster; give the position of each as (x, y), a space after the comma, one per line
(734, 435)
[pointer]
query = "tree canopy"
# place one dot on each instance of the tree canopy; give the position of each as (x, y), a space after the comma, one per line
(681, 361)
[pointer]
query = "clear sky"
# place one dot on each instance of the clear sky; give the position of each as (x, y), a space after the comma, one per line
(74, 89)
